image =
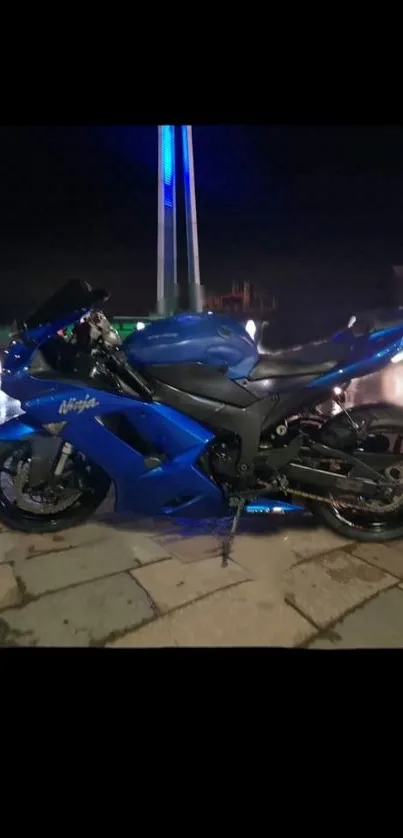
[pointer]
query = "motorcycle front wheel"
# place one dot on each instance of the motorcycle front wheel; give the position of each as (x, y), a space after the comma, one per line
(384, 522)
(48, 508)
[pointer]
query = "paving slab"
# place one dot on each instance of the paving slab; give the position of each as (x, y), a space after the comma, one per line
(303, 542)
(54, 571)
(191, 549)
(153, 526)
(24, 545)
(9, 590)
(325, 588)
(378, 624)
(148, 534)
(8, 542)
(266, 559)
(385, 556)
(172, 583)
(144, 549)
(311, 540)
(236, 616)
(78, 616)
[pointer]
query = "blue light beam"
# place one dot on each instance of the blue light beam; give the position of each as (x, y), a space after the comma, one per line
(167, 267)
(168, 163)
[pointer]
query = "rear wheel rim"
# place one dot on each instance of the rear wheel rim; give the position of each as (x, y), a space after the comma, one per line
(365, 521)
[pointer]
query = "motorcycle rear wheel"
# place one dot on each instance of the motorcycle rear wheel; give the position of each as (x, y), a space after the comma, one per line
(83, 503)
(384, 421)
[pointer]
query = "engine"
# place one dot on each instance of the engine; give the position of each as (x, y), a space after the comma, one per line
(222, 456)
(222, 459)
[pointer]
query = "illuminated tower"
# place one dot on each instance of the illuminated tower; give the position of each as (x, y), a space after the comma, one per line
(167, 276)
(167, 279)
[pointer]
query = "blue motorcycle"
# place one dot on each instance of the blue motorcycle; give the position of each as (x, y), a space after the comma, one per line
(186, 418)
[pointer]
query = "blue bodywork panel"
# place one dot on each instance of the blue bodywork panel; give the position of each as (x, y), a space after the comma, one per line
(210, 339)
(178, 485)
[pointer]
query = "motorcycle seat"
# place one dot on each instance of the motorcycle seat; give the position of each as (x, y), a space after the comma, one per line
(312, 359)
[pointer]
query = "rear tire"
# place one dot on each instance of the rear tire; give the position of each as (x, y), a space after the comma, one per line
(382, 417)
(324, 512)
(15, 518)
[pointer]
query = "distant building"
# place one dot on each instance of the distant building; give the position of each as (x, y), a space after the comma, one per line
(242, 299)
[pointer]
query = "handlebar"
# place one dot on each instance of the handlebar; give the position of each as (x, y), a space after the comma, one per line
(118, 366)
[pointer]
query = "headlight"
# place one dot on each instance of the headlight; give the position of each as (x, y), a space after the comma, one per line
(397, 358)
(251, 328)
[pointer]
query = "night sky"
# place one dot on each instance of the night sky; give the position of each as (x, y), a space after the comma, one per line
(312, 213)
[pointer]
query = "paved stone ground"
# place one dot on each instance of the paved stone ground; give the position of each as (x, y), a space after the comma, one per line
(128, 584)
(140, 583)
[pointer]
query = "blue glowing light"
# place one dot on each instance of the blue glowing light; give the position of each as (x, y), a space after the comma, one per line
(267, 506)
(168, 162)
(185, 151)
(167, 153)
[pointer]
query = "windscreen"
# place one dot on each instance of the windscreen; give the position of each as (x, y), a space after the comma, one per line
(72, 297)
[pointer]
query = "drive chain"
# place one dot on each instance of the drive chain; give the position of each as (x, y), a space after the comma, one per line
(361, 506)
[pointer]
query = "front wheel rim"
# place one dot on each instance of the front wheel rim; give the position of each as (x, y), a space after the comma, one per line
(48, 516)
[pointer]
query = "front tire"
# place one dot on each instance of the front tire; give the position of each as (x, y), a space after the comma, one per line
(82, 507)
(386, 422)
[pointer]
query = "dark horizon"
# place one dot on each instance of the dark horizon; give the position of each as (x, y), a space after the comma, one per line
(311, 213)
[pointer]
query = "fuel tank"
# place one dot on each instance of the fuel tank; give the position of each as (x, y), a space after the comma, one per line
(211, 339)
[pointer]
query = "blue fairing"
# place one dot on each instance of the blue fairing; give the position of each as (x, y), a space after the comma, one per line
(217, 340)
(18, 429)
(177, 486)
(162, 467)
(368, 354)
(210, 339)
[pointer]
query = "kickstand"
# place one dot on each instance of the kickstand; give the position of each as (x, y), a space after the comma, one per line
(228, 539)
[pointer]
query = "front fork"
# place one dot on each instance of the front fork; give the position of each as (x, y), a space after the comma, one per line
(65, 453)
(48, 457)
